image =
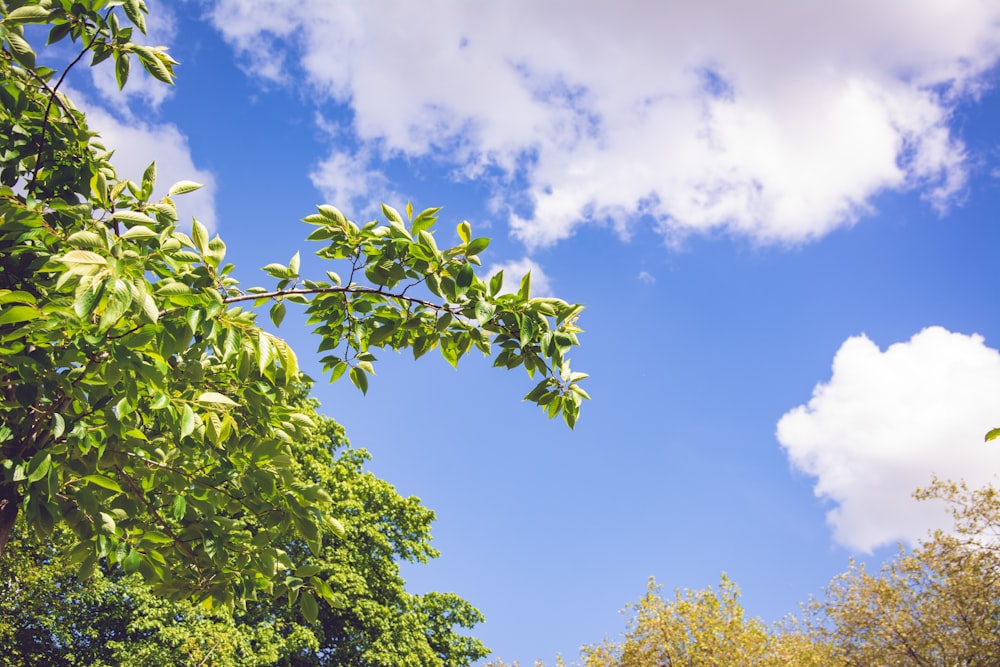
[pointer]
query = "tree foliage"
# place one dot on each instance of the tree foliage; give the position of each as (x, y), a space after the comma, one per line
(936, 605)
(142, 404)
(49, 617)
(701, 628)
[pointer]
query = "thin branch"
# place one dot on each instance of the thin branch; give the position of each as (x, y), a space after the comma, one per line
(48, 107)
(156, 514)
(278, 294)
(52, 92)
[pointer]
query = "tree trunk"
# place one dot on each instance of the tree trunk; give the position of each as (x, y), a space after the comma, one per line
(10, 503)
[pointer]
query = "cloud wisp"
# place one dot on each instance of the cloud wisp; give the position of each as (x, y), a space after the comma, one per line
(887, 422)
(779, 126)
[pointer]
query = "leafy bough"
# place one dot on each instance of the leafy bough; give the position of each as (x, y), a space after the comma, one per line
(397, 258)
(141, 404)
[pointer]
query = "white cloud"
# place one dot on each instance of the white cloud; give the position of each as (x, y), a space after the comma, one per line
(886, 422)
(140, 85)
(137, 143)
(777, 123)
(514, 270)
(351, 183)
(646, 278)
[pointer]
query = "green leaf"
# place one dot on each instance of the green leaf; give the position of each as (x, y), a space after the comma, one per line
(156, 537)
(183, 187)
(156, 62)
(277, 270)
(338, 370)
(58, 426)
(21, 50)
(217, 399)
(278, 313)
(993, 434)
(121, 69)
(496, 283)
(18, 313)
(106, 523)
(131, 562)
(359, 379)
(464, 232)
(427, 241)
(17, 296)
(179, 507)
(148, 179)
(87, 298)
(265, 351)
(391, 214)
(485, 311)
(331, 213)
(29, 14)
(336, 526)
(524, 291)
(87, 567)
(477, 246)
(59, 32)
(134, 217)
(133, 11)
(306, 571)
(83, 257)
(199, 234)
(103, 482)
(39, 466)
(310, 610)
(187, 421)
(139, 232)
(85, 239)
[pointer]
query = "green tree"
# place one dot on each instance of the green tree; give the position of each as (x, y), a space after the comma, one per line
(141, 404)
(49, 617)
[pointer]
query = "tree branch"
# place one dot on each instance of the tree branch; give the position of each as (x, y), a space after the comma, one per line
(279, 294)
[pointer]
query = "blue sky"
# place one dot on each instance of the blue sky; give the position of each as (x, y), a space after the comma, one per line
(781, 218)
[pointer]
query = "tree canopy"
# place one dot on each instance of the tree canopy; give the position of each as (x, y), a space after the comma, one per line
(49, 617)
(144, 406)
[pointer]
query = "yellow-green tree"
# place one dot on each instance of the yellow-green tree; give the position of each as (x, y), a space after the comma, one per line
(702, 628)
(936, 605)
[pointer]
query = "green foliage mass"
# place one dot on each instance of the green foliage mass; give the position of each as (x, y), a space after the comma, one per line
(142, 405)
(49, 617)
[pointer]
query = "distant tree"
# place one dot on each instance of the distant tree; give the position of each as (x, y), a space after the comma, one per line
(49, 617)
(700, 628)
(936, 605)
(141, 405)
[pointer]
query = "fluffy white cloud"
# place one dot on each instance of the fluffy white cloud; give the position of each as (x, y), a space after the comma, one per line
(515, 270)
(350, 181)
(886, 422)
(777, 121)
(137, 143)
